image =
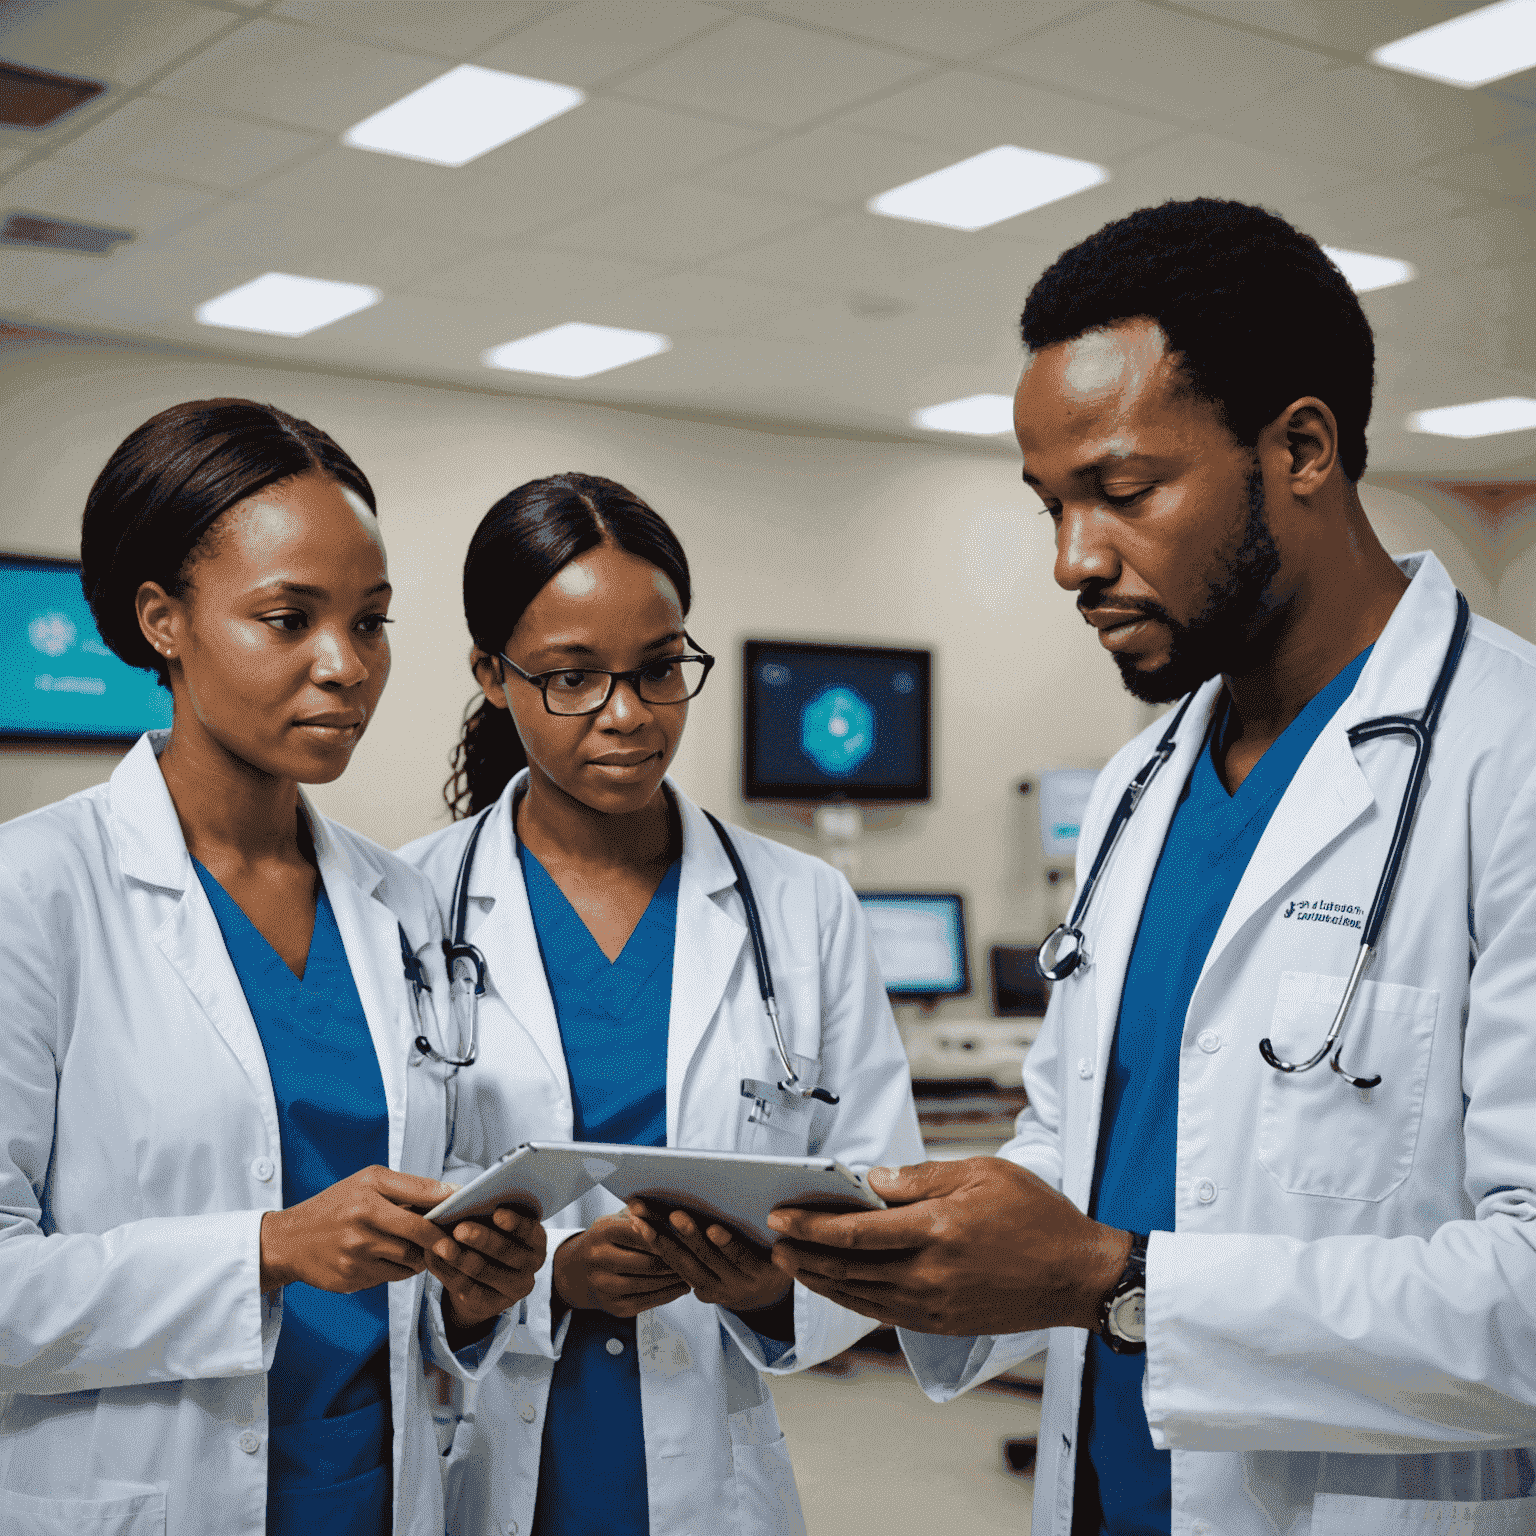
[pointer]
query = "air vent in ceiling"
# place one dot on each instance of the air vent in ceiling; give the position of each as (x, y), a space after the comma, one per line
(38, 231)
(34, 98)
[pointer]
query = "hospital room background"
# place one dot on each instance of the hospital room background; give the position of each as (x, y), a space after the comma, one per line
(712, 184)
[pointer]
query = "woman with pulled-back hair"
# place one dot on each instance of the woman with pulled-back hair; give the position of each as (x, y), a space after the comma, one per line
(217, 1137)
(621, 1005)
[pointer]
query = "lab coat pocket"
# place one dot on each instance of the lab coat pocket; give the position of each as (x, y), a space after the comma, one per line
(136, 1509)
(767, 1502)
(1342, 1514)
(1317, 1134)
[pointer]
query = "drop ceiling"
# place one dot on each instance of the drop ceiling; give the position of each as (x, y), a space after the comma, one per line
(713, 187)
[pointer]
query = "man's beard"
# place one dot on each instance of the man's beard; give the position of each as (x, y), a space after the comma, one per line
(1230, 623)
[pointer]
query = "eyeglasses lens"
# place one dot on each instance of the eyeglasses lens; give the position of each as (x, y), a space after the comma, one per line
(669, 681)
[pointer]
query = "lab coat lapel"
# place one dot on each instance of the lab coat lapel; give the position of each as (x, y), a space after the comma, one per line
(370, 935)
(1330, 792)
(1128, 875)
(152, 852)
(707, 948)
(507, 938)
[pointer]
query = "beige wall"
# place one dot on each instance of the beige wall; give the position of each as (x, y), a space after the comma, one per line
(790, 536)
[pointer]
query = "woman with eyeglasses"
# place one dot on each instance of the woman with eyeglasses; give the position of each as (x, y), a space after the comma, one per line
(621, 1004)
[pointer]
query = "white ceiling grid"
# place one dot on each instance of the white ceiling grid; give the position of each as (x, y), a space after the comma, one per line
(713, 186)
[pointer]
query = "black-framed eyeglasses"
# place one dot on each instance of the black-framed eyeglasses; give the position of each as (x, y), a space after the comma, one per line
(586, 690)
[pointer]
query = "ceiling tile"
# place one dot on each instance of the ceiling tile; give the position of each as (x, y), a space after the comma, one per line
(120, 41)
(165, 138)
(1375, 119)
(997, 278)
(97, 195)
(951, 31)
(583, 44)
(855, 252)
(9, 158)
(683, 222)
(1161, 61)
(893, 341)
(766, 72)
(688, 302)
(830, 165)
(1487, 315)
(968, 112)
(1203, 165)
(1491, 237)
(267, 235)
(143, 287)
(1365, 212)
(502, 274)
(33, 279)
(297, 75)
(1357, 27)
(419, 26)
(1505, 168)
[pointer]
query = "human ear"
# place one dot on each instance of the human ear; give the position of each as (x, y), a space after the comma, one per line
(488, 673)
(161, 618)
(1311, 439)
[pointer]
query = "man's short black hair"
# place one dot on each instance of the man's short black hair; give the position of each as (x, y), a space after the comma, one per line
(1257, 313)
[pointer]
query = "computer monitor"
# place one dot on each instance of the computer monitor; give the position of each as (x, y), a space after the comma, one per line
(825, 722)
(919, 939)
(58, 682)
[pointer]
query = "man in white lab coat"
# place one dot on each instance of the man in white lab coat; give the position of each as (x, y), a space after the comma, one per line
(1275, 1300)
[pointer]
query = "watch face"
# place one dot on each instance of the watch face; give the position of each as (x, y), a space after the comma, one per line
(1128, 1317)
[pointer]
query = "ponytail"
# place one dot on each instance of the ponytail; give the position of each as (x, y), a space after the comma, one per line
(488, 756)
(533, 532)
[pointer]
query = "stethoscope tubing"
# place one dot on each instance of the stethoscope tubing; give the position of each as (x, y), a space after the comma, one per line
(1055, 963)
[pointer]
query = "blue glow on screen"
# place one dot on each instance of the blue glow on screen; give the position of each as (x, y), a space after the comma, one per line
(56, 676)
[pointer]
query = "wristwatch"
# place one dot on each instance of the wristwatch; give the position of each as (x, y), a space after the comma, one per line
(1123, 1313)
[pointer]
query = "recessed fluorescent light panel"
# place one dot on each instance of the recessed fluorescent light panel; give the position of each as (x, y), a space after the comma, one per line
(575, 350)
(462, 115)
(1478, 418)
(1476, 49)
(280, 304)
(995, 185)
(978, 415)
(1365, 272)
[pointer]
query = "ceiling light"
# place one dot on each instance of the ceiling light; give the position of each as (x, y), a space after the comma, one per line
(1365, 272)
(995, 185)
(462, 115)
(1471, 50)
(979, 415)
(575, 350)
(1477, 418)
(280, 304)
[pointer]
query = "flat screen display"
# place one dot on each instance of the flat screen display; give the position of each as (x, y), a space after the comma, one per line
(828, 722)
(58, 682)
(919, 940)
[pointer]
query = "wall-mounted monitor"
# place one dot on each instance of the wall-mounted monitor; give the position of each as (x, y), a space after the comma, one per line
(1064, 796)
(826, 722)
(58, 682)
(919, 939)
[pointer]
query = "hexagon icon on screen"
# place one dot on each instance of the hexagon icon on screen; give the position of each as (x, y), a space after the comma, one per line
(837, 731)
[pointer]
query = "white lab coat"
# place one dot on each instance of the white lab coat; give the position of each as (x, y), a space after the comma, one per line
(715, 1456)
(1341, 1332)
(139, 1149)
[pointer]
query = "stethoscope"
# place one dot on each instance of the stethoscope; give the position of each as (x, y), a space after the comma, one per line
(1064, 951)
(467, 972)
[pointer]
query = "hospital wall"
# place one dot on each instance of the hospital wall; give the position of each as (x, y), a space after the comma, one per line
(789, 534)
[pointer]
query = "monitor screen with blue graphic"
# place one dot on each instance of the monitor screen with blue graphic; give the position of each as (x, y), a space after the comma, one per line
(58, 682)
(919, 940)
(827, 722)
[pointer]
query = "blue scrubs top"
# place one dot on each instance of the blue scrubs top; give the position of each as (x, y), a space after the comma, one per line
(329, 1460)
(1212, 837)
(613, 1018)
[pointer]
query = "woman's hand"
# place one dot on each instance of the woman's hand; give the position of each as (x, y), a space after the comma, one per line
(720, 1267)
(486, 1267)
(609, 1267)
(358, 1233)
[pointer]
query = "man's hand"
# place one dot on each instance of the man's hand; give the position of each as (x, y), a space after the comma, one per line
(611, 1268)
(720, 1267)
(486, 1266)
(969, 1247)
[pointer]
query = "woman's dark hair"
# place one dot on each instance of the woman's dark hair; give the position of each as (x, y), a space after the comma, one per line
(1257, 312)
(529, 535)
(167, 483)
